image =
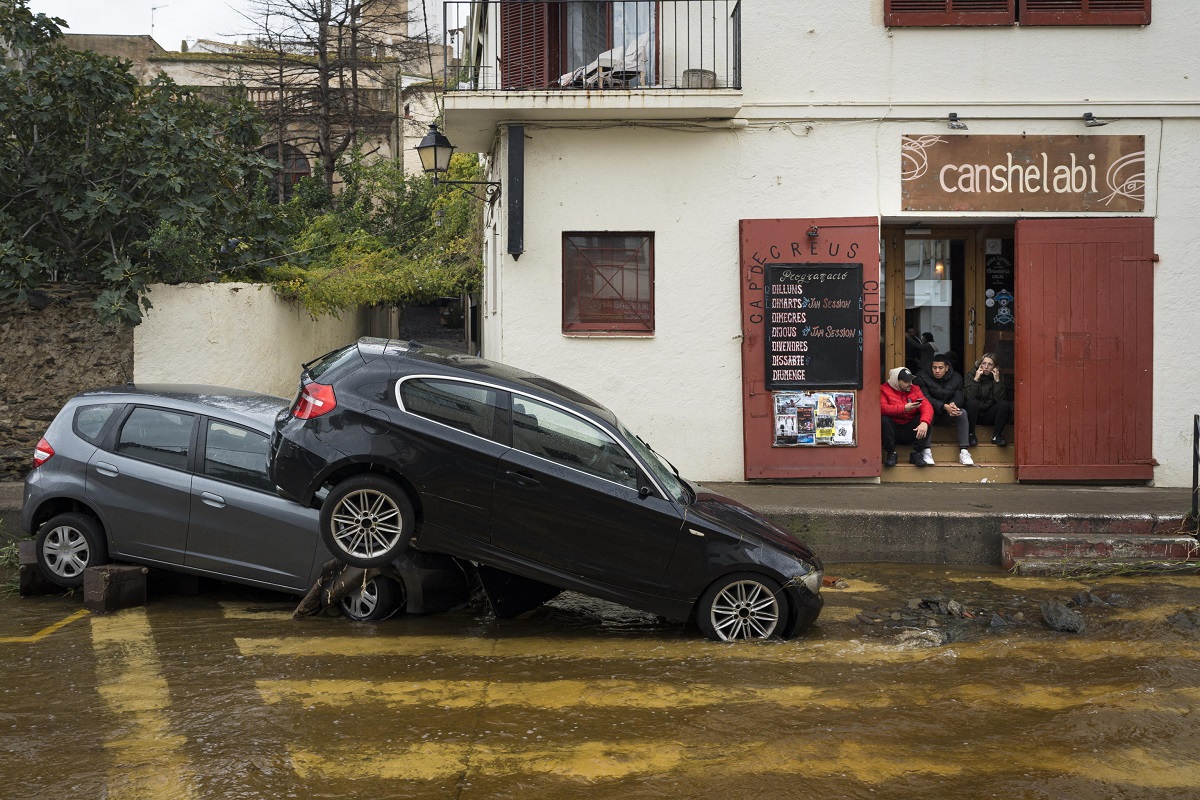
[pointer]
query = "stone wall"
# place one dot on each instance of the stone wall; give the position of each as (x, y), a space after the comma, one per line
(51, 349)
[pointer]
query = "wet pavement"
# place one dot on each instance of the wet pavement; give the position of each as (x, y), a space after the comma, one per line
(917, 682)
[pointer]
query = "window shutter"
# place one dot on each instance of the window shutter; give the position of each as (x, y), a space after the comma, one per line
(523, 45)
(1085, 12)
(935, 13)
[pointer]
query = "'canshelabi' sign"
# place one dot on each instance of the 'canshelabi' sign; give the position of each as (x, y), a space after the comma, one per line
(1023, 173)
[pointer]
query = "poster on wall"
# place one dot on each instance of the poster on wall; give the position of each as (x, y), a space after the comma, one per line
(998, 265)
(814, 418)
(814, 326)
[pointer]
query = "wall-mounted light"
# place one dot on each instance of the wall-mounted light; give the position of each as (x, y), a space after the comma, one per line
(954, 123)
(435, 151)
(939, 264)
(1092, 121)
(812, 232)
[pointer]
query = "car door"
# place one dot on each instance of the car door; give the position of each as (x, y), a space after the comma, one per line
(142, 485)
(449, 448)
(239, 526)
(567, 497)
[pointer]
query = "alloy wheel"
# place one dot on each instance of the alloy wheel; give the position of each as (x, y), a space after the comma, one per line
(745, 609)
(366, 523)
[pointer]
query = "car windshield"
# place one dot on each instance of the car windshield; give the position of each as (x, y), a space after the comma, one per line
(664, 471)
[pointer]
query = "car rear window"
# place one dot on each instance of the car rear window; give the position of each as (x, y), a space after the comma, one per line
(316, 369)
(90, 421)
(466, 406)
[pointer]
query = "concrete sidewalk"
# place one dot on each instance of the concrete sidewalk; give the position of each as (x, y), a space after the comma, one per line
(917, 523)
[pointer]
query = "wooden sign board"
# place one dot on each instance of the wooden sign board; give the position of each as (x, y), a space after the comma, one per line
(1023, 173)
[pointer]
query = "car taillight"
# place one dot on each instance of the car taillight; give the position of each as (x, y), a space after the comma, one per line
(315, 400)
(42, 453)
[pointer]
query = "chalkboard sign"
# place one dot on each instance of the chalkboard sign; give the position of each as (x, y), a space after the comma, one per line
(814, 327)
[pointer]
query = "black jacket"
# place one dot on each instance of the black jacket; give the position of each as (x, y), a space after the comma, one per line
(947, 390)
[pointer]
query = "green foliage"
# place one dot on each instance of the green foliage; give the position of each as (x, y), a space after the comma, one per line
(107, 182)
(378, 242)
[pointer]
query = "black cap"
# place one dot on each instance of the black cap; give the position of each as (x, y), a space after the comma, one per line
(904, 375)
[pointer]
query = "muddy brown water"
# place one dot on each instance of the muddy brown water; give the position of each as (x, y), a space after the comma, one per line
(223, 695)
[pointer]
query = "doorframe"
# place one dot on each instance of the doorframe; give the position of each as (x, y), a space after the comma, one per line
(893, 238)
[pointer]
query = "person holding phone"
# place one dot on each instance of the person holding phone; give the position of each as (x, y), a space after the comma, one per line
(905, 419)
(986, 399)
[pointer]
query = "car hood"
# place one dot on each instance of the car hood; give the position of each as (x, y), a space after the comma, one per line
(729, 515)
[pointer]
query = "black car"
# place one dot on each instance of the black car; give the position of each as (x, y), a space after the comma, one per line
(175, 477)
(460, 455)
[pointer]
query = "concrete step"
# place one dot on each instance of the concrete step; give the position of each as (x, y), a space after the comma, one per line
(1098, 568)
(1078, 546)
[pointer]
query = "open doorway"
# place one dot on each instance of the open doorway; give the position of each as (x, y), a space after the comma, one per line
(949, 290)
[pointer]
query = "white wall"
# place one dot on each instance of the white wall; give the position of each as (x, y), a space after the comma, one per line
(233, 334)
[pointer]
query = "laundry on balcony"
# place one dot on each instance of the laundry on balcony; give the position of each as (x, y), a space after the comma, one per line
(623, 67)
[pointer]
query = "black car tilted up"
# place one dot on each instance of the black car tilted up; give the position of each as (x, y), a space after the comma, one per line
(464, 456)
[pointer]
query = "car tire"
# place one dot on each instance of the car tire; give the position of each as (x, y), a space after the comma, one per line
(367, 521)
(377, 599)
(744, 605)
(67, 544)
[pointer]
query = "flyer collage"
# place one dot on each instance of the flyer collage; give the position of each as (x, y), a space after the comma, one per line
(814, 418)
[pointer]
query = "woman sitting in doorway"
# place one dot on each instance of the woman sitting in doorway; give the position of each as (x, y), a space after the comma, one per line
(986, 400)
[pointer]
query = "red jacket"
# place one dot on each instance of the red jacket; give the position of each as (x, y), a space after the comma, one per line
(891, 403)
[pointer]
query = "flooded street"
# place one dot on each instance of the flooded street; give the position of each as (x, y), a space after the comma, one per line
(918, 682)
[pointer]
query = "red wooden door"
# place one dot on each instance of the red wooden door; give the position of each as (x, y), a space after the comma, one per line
(765, 242)
(1084, 349)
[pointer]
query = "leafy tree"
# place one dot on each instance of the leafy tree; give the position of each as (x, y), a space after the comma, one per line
(107, 182)
(390, 239)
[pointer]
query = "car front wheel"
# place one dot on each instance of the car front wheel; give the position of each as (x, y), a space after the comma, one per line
(741, 606)
(67, 545)
(367, 521)
(377, 599)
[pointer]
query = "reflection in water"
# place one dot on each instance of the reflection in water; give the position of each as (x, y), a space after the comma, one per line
(585, 699)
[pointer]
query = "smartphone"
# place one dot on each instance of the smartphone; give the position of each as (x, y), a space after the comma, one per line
(919, 400)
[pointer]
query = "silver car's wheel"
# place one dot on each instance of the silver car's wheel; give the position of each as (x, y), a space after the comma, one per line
(377, 599)
(742, 606)
(67, 545)
(367, 521)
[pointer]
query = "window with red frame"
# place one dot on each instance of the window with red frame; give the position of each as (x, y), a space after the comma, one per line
(608, 282)
(936, 13)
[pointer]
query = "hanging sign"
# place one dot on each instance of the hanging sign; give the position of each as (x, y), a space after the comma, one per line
(814, 326)
(1023, 173)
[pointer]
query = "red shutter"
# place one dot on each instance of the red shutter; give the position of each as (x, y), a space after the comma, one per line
(1085, 12)
(1084, 349)
(934, 13)
(852, 240)
(524, 45)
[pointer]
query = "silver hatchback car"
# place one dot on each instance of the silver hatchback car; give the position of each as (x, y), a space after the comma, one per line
(174, 477)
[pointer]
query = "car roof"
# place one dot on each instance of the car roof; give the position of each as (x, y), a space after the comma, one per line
(500, 374)
(254, 408)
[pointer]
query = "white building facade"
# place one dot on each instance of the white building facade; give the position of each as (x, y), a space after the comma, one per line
(720, 218)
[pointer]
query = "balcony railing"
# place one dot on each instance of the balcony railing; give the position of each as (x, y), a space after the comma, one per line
(585, 45)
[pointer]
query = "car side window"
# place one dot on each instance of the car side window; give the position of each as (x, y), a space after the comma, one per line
(157, 435)
(543, 430)
(466, 406)
(89, 421)
(236, 455)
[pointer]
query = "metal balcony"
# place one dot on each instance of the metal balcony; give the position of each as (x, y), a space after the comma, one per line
(574, 46)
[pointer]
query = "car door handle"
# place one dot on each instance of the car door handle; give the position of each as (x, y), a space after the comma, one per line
(522, 479)
(104, 468)
(214, 500)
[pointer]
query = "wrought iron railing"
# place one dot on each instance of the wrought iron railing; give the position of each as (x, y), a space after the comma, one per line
(585, 45)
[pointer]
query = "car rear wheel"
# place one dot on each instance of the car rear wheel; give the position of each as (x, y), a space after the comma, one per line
(67, 545)
(367, 521)
(741, 606)
(377, 599)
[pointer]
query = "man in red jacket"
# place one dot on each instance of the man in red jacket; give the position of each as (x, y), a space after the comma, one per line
(907, 416)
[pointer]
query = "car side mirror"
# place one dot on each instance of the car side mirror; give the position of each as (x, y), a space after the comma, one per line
(643, 492)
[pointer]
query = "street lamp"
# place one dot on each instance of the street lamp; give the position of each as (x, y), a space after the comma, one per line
(435, 151)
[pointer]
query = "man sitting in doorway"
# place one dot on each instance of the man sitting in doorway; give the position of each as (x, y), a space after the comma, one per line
(944, 389)
(906, 417)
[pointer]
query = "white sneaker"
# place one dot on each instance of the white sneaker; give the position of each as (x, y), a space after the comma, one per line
(928, 456)
(964, 458)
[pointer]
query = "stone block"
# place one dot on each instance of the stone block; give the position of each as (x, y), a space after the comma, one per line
(112, 587)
